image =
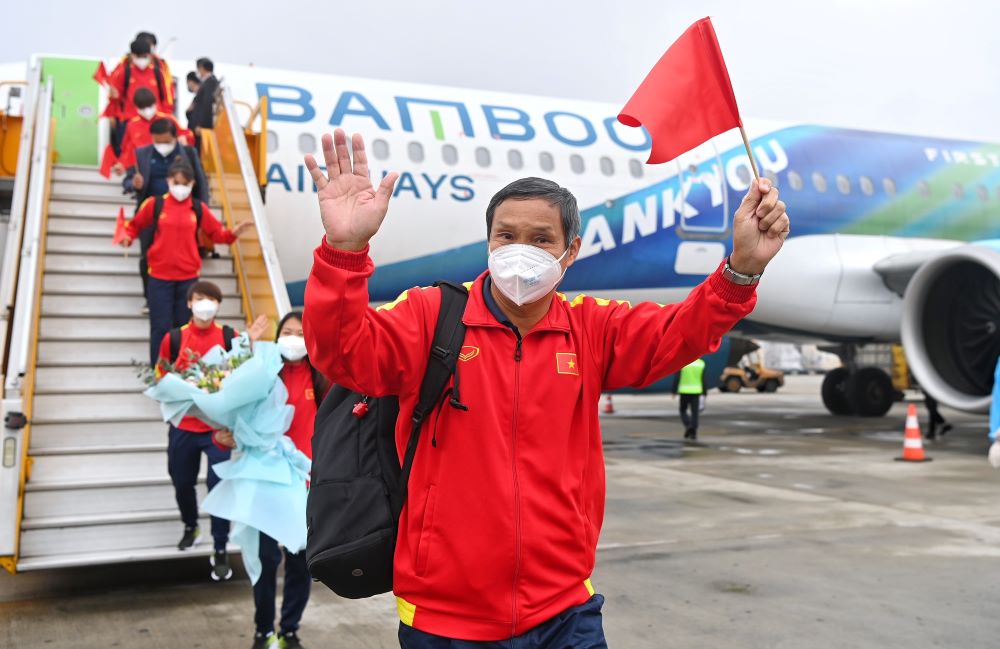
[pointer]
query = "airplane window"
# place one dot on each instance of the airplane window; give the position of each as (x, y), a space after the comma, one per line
(794, 180)
(635, 168)
(889, 185)
(958, 190)
(450, 154)
(483, 157)
(545, 161)
(272, 141)
(819, 182)
(984, 194)
(515, 159)
(607, 166)
(866, 185)
(923, 188)
(380, 149)
(307, 143)
(773, 177)
(576, 163)
(843, 184)
(416, 151)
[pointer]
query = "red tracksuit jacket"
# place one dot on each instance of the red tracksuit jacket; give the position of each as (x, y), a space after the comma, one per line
(137, 135)
(140, 79)
(500, 530)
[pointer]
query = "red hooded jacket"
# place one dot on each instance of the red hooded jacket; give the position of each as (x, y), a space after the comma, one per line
(499, 533)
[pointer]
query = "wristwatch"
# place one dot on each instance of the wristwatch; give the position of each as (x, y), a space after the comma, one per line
(739, 278)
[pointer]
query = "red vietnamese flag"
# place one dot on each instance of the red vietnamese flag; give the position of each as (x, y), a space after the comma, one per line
(687, 98)
(108, 160)
(119, 228)
(101, 74)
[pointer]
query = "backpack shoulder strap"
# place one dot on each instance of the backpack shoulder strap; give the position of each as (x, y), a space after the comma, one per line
(157, 210)
(175, 344)
(449, 333)
(196, 206)
(128, 80)
(227, 336)
(158, 74)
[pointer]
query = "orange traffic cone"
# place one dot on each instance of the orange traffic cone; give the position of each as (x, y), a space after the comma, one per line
(913, 443)
(609, 408)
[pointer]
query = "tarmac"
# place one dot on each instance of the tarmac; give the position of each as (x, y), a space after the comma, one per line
(783, 527)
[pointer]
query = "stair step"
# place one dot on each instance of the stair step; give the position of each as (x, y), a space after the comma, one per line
(84, 520)
(158, 553)
(91, 354)
(85, 380)
(49, 469)
(85, 191)
(98, 501)
(113, 305)
(109, 284)
(73, 408)
(120, 537)
(80, 174)
(119, 263)
(134, 328)
(100, 245)
(97, 211)
(81, 226)
(53, 439)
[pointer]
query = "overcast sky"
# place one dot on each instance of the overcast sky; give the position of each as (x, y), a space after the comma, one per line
(916, 66)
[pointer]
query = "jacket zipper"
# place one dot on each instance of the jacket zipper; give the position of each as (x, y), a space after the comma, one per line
(518, 353)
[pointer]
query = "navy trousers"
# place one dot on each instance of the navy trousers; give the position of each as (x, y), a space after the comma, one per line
(579, 627)
(296, 591)
(183, 463)
(690, 402)
(168, 308)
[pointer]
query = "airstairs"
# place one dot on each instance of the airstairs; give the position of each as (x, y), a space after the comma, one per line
(85, 480)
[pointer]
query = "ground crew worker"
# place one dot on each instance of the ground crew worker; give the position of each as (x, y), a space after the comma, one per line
(173, 257)
(193, 437)
(137, 131)
(306, 389)
(691, 386)
(498, 537)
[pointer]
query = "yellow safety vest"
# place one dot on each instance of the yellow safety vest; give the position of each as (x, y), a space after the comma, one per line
(690, 381)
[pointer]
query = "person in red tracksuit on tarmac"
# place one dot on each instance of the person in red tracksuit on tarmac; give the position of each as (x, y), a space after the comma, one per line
(499, 533)
(174, 262)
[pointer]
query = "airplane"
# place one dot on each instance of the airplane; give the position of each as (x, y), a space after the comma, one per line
(893, 236)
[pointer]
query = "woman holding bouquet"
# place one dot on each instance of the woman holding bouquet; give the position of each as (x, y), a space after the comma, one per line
(306, 388)
(174, 259)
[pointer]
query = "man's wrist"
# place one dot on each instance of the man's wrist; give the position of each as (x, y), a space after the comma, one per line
(349, 246)
(745, 266)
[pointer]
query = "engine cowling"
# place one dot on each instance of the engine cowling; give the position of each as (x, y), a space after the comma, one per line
(951, 325)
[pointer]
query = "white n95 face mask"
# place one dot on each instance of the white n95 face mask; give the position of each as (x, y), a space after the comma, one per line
(292, 348)
(180, 192)
(525, 273)
(141, 62)
(165, 149)
(204, 309)
(147, 113)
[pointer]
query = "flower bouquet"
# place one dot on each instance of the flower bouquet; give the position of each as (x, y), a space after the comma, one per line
(263, 485)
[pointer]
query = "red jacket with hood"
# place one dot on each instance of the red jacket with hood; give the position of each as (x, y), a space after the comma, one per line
(500, 530)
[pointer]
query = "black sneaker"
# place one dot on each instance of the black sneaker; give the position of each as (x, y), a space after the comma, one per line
(289, 641)
(945, 429)
(221, 571)
(263, 640)
(190, 537)
(690, 433)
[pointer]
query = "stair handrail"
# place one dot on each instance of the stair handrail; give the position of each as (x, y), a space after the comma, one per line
(15, 227)
(16, 405)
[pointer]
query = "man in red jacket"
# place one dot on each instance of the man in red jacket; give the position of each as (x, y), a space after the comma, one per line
(138, 133)
(499, 534)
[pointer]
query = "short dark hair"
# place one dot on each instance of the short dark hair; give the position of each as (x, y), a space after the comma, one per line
(144, 98)
(140, 47)
(146, 36)
(180, 166)
(297, 315)
(162, 126)
(529, 188)
(205, 63)
(193, 76)
(206, 288)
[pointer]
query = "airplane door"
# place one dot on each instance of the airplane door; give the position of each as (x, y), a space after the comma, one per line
(702, 209)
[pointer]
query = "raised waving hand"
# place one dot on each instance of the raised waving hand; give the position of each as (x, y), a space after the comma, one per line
(352, 209)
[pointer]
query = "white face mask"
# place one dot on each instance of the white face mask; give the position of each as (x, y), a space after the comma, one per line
(292, 348)
(165, 149)
(141, 62)
(204, 309)
(525, 273)
(147, 113)
(180, 192)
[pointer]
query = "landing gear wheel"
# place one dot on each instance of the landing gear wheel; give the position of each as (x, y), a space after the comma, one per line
(870, 392)
(733, 384)
(834, 392)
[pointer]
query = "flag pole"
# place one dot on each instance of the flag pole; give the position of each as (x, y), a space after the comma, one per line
(746, 143)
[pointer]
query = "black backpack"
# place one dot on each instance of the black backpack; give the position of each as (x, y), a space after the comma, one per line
(175, 341)
(158, 209)
(358, 488)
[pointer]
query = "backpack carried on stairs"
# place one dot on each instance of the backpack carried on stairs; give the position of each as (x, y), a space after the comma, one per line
(357, 486)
